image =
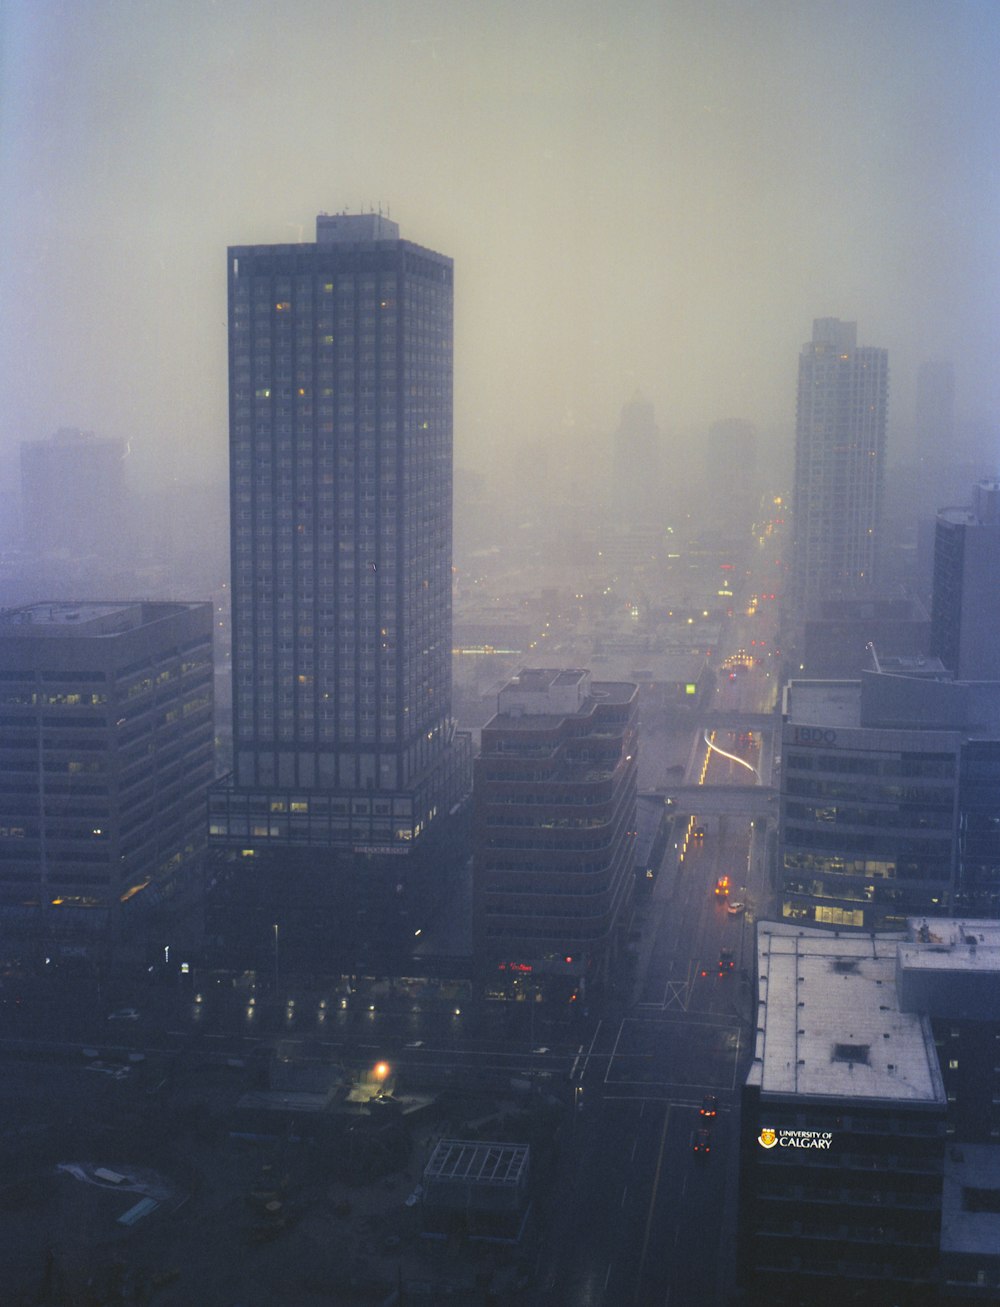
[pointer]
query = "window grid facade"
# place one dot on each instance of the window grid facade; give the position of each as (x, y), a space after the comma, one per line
(341, 485)
(841, 417)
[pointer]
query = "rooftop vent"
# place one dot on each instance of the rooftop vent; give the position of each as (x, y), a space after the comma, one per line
(851, 1053)
(845, 966)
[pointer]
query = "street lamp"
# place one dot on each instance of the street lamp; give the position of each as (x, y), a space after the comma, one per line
(276, 957)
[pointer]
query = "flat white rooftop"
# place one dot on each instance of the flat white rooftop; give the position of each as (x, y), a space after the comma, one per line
(829, 1024)
(823, 703)
(951, 944)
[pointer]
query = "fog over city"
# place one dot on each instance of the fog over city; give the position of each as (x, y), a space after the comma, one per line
(656, 197)
(499, 678)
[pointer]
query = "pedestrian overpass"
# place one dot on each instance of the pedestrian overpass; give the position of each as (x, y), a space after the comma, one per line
(718, 800)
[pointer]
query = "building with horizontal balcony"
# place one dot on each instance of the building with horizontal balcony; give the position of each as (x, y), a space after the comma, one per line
(106, 757)
(554, 819)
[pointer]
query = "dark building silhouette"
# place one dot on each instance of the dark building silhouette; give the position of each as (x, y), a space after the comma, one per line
(843, 394)
(340, 378)
(637, 466)
(965, 598)
(73, 493)
(838, 639)
(105, 762)
(554, 823)
(935, 412)
(731, 470)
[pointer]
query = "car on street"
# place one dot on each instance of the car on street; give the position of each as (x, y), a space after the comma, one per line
(726, 961)
(701, 1142)
(734, 907)
(709, 1106)
(722, 887)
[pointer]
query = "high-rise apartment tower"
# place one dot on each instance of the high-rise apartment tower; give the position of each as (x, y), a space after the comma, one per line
(340, 401)
(839, 464)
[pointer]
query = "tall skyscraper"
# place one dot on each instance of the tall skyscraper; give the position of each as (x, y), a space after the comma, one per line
(340, 401)
(965, 599)
(840, 436)
(638, 474)
(730, 469)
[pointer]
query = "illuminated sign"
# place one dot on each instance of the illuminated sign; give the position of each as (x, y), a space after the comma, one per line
(771, 1138)
(515, 966)
(690, 688)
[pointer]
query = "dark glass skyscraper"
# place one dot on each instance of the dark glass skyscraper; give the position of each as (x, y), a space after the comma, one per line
(965, 600)
(340, 400)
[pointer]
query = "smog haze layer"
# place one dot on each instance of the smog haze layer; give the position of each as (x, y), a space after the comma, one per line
(656, 197)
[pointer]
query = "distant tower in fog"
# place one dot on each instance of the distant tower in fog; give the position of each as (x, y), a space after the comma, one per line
(965, 599)
(731, 468)
(843, 398)
(72, 493)
(638, 491)
(934, 424)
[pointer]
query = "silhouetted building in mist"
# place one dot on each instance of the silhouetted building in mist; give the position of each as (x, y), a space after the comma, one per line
(869, 1158)
(637, 466)
(731, 470)
(843, 394)
(965, 599)
(935, 412)
(105, 762)
(73, 493)
(340, 366)
(554, 823)
(838, 638)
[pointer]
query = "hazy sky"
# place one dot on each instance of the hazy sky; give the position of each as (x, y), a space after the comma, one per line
(658, 194)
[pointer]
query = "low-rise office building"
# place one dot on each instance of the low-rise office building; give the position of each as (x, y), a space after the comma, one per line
(890, 802)
(106, 758)
(554, 803)
(873, 1063)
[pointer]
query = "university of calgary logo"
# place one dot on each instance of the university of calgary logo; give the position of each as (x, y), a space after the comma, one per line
(767, 1137)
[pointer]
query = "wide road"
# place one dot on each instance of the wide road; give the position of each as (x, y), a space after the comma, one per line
(639, 1218)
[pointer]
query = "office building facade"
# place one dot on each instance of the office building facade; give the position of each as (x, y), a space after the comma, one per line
(340, 388)
(554, 819)
(889, 799)
(106, 759)
(840, 436)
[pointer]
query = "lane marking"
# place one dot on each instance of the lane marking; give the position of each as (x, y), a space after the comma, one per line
(652, 1206)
